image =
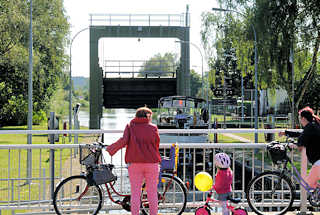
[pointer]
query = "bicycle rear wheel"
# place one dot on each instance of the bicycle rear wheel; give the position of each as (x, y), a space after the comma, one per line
(270, 193)
(172, 196)
(74, 195)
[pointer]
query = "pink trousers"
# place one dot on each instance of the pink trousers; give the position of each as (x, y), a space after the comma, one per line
(137, 173)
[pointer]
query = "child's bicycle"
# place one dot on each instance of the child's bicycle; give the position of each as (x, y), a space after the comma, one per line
(84, 193)
(206, 208)
(274, 191)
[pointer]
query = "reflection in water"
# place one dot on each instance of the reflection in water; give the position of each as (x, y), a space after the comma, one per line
(116, 119)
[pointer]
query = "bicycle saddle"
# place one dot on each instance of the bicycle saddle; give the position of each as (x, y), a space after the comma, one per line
(234, 200)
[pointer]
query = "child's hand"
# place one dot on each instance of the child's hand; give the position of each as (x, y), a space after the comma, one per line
(292, 146)
(281, 133)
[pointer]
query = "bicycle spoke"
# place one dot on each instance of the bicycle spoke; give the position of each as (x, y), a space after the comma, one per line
(74, 195)
(171, 197)
(270, 192)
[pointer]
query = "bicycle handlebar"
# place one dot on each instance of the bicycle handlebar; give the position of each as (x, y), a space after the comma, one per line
(287, 144)
(97, 145)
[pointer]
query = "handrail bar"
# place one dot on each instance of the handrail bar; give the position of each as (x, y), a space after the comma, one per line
(163, 145)
(161, 131)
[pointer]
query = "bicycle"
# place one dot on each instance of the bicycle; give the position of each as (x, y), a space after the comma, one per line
(84, 192)
(275, 189)
(205, 209)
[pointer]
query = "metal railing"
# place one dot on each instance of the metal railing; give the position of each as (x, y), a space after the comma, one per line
(34, 194)
(138, 69)
(137, 19)
(237, 121)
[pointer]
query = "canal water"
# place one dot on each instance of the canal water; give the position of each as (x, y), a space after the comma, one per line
(118, 118)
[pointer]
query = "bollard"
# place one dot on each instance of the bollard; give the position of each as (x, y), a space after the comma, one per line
(76, 125)
(215, 126)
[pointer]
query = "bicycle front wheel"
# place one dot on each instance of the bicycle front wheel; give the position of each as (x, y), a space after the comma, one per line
(172, 196)
(74, 195)
(270, 193)
(202, 211)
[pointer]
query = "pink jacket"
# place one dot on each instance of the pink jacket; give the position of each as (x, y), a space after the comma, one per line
(223, 181)
(141, 139)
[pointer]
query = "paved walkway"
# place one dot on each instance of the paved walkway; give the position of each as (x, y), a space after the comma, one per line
(242, 139)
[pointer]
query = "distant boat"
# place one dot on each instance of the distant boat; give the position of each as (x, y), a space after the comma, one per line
(182, 112)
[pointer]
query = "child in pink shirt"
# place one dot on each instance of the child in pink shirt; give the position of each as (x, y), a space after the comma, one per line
(223, 180)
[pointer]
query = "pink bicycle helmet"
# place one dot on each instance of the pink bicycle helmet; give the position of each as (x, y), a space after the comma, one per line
(222, 160)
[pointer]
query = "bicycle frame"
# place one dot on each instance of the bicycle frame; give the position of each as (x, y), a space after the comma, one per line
(127, 196)
(210, 199)
(295, 174)
(229, 206)
(88, 186)
(275, 189)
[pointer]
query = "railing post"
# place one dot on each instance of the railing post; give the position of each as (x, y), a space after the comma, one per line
(44, 184)
(303, 193)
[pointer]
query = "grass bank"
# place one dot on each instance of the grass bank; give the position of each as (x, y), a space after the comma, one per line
(13, 166)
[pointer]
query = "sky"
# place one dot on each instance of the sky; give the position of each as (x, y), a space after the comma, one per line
(130, 48)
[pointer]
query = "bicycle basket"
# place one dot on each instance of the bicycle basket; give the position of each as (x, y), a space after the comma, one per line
(103, 174)
(88, 156)
(278, 152)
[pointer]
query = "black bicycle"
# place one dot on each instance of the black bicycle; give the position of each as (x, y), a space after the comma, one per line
(85, 192)
(274, 191)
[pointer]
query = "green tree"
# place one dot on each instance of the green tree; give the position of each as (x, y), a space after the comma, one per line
(312, 95)
(195, 84)
(13, 24)
(285, 26)
(228, 43)
(166, 65)
(281, 26)
(50, 30)
(160, 65)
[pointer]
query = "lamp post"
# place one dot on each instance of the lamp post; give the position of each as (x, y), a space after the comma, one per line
(181, 41)
(70, 82)
(30, 94)
(255, 70)
(291, 59)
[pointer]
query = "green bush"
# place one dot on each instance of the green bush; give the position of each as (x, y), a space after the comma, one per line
(39, 117)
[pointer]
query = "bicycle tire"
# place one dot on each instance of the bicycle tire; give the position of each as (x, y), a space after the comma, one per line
(314, 198)
(65, 196)
(270, 192)
(202, 211)
(173, 201)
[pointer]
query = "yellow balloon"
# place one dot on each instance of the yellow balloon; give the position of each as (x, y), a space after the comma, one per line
(203, 181)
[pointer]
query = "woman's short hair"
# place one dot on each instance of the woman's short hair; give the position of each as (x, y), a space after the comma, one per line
(307, 114)
(142, 112)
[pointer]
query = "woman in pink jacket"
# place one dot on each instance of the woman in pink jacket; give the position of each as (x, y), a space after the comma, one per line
(141, 139)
